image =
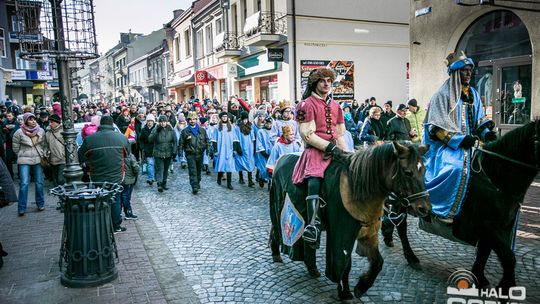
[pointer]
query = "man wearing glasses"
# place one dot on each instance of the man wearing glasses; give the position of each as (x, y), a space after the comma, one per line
(321, 126)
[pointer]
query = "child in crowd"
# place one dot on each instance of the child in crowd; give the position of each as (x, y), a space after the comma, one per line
(284, 145)
(130, 178)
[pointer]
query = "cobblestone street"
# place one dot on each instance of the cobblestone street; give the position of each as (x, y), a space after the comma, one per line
(219, 241)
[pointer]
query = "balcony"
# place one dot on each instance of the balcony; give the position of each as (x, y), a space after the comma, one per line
(263, 28)
(153, 83)
(226, 45)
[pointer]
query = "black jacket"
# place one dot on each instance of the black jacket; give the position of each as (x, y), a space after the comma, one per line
(122, 123)
(398, 129)
(104, 153)
(144, 142)
(191, 144)
(165, 143)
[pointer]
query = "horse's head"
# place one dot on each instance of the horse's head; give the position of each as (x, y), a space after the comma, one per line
(407, 180)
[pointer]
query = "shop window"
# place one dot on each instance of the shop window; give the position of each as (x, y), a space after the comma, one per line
(2, 43)
(499, 34)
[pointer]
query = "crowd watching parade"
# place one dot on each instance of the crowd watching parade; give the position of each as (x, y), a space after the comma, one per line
(237, 140)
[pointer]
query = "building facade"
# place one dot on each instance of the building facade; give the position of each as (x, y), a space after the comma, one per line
(501, 42)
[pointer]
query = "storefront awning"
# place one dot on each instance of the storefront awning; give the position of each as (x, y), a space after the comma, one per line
(183, 82)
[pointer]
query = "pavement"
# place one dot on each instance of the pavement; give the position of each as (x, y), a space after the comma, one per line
(212, 248)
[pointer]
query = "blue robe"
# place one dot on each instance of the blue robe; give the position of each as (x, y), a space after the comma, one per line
(349, 141)
(280, 149)
(245, 162)
(224, 162)
(263, 144)
(276, 131)
(447, 165)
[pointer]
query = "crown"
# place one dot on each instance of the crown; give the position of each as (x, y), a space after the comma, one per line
(284, 104)
(453, 57)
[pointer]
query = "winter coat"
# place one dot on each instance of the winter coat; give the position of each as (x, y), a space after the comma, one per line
(398, 129)
(132, 170)
(164, 140)
(122, 123)
(55, 146)
(144, 142)
(417, 122)
(27, 154)
(9, 193)
(191, 144)
(104, 153)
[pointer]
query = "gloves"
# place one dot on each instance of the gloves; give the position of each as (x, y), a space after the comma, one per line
(264, 154)
(237, 149)
(214, 147)
(333, 150)
(490, 136)
(467, 142)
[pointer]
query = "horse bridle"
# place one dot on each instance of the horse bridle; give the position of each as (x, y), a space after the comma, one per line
(397, 218)
(536, 139)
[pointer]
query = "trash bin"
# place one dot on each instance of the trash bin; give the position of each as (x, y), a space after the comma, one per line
(88, 249)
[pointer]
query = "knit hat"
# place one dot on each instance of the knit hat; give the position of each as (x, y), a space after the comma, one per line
(163, 118)
(55, 118)
(27, 116)
(203, 120)
(223, 114)
(244, 115)
(150, 117)
(181, 117)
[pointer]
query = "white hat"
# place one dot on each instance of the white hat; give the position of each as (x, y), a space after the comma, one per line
(150, 117)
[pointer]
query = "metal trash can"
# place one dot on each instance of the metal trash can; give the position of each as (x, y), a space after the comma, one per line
(88, 249)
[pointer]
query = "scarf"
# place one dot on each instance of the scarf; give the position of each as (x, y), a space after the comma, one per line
(195, 129)
(30, 132)
(283, 140)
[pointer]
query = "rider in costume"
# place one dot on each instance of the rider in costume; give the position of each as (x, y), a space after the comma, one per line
(454, 121)
(321, 126)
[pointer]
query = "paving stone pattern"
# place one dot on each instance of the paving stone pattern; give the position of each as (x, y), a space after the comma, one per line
(219, 241)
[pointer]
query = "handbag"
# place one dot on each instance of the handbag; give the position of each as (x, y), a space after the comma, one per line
(43, 161)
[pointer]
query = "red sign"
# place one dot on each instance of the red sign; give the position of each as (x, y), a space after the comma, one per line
(201, 78)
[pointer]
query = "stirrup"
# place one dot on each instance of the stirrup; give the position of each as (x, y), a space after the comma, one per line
(311, 234)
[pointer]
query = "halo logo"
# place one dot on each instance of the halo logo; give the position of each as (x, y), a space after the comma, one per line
(462, 289)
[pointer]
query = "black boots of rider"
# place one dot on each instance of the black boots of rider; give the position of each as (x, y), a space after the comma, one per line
(312, 231)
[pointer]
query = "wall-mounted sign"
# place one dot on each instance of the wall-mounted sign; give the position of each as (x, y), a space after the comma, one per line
(518, 100)
(18, 75)
(423, 11)
(275, 55)
(201, 78)
(255, 65)
(343, 88)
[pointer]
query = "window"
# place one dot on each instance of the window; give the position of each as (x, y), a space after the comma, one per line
(17, 24)
(187, 41)
(244, 13)
(20, 63)
(219, 26)
(2, 43)
(199, 52)
(177, 48)
(209, 39)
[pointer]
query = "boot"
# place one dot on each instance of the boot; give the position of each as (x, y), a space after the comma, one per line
(229, 181)
(160, 187)
(219, 177)
(250, 180)
(241, 178)
(312, 232)
(164, 186)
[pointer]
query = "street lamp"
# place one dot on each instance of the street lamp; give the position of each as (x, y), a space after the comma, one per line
(63, 30)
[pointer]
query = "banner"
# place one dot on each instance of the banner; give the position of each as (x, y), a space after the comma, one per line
(343, 88)
(292, 223)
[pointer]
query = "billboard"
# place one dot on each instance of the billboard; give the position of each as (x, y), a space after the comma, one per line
(343, 88)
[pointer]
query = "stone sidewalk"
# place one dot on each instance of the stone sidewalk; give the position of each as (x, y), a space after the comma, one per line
(31, 272)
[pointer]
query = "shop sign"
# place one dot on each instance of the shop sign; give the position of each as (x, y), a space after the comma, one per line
(343, 87)
(216, 72)
(232, 70)
(518, 100)
(201, 78)
(275, 55)
(43, 75)
(18, 75)
(184, 73)
(39, 86)
(423, 11)
(255, 65)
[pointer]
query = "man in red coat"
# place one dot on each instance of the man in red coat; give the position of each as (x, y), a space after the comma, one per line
(321, 126)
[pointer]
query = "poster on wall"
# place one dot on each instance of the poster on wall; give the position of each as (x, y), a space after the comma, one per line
(343, 88)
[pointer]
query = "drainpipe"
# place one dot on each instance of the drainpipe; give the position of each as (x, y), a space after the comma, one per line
(295, 66)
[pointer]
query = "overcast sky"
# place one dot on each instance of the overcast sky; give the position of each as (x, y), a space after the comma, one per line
(141, 16)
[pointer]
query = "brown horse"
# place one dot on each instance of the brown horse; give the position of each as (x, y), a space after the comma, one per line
(501, 174)
(355, 189)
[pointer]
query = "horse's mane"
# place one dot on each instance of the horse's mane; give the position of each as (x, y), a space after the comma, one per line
(512, 142)
(367, 171)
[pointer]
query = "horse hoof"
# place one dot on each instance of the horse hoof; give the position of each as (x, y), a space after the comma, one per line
(314, 273)
(415, 265)
(360, 289)
(277, 258)
(345, 296)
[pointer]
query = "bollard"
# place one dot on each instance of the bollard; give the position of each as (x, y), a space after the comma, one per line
(88, 248)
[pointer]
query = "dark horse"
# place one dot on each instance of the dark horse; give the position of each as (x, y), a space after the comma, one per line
(354, 188)
(501, 174)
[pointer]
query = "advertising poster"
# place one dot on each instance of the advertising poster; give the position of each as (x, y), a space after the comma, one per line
(343, 86)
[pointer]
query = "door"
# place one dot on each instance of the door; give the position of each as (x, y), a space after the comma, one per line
(504, 86)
